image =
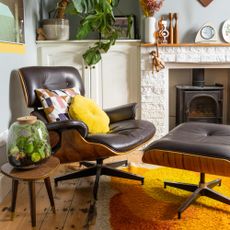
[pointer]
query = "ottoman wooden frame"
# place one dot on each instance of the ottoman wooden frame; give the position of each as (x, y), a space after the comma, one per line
(193, 162)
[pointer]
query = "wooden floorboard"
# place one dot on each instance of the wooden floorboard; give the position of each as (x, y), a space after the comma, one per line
(79, 208)
(63, 196)
(73, 200)
(22, 214)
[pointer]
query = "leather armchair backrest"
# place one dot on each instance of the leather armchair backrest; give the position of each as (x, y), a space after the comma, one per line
(48, 77)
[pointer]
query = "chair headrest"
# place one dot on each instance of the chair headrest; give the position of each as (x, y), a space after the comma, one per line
(48, 77)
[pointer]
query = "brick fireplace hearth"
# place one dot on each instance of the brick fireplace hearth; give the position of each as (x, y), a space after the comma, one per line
(155, 86)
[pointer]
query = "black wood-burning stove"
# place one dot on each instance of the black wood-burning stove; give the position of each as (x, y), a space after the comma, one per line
(199, 102)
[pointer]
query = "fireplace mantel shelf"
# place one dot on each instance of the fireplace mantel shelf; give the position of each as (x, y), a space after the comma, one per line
(187, 45)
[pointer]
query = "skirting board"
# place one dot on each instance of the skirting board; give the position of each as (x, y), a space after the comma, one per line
(5, 186)
(5, 182)
(3, 141)
(3, 138)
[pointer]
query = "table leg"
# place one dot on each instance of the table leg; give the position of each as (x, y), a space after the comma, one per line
(14, 197)
(32, 202)
(50, 193)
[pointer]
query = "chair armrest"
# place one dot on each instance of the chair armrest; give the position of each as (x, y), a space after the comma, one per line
(121, 113)
(60, 126)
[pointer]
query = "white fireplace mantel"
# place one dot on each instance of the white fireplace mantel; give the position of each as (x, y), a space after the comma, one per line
(155, 85)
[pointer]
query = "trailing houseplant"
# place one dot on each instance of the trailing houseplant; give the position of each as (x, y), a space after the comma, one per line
(96, 16)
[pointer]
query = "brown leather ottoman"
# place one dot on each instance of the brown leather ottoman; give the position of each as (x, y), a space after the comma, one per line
(195, 146)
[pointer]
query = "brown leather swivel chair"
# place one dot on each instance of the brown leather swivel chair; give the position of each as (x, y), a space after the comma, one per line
(70, 139)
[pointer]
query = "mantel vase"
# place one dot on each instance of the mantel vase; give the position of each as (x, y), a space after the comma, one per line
(150, 29)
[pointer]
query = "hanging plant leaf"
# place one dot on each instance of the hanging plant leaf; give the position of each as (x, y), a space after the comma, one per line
(70, 9)
(130, 23)
(84, 6)
(105, 46)
(92, 56)
(84, 30)
(97, 16)
(114, 3)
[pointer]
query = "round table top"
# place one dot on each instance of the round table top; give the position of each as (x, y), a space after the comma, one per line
(40, 172)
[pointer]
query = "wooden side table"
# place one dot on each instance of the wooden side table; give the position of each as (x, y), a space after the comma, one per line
(43, 171)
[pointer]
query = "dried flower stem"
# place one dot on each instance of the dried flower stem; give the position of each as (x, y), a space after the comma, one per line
(149, 7)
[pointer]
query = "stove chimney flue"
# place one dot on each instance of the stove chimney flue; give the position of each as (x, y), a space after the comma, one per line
(198, 77)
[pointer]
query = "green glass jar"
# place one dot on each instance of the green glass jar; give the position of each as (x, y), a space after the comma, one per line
(28, 143)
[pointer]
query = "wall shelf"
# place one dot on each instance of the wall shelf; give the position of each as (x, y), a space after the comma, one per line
(84, 41)
(187, 45)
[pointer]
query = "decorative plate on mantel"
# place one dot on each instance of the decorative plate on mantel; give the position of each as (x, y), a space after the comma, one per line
(226, 31)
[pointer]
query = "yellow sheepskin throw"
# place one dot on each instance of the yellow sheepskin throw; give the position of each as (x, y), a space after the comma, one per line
(86, 110)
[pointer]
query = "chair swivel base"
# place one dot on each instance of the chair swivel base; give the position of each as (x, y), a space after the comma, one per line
(99, 169)
(203, 189)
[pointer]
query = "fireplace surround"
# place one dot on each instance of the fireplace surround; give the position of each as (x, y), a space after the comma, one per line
(155, 85)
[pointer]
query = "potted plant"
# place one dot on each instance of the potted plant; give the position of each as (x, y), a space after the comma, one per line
(28, 143)
(56, 27)
(96, 16)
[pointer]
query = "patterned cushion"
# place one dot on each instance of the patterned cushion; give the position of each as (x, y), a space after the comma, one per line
(56, 102)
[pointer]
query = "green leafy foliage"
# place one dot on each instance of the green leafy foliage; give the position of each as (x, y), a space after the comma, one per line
(84, 6)
(114, 3)
(130, 22)
(97, 16)
(29, 141)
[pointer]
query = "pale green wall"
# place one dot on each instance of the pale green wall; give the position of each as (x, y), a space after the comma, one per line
(10, 97)
(192, 15)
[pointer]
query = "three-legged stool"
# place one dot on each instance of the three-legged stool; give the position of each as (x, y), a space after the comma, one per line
(43, 171)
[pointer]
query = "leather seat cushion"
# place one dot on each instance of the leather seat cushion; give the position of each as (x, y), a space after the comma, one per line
(125, 135)
(212, 140)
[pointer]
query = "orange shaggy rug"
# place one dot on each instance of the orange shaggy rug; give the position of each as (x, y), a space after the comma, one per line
(151, 207)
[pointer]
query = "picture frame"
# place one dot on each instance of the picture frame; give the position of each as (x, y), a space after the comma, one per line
(12, 21)
(122, 25)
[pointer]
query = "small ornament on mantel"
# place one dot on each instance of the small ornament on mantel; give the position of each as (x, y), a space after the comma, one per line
(168, 34)
(157, 63)
(59, 11)
(175, 29)
(207, 33)
(41, 34)
(163, 32)
(171, 28)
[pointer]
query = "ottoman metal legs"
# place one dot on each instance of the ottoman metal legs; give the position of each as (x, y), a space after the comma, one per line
(202, 189)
